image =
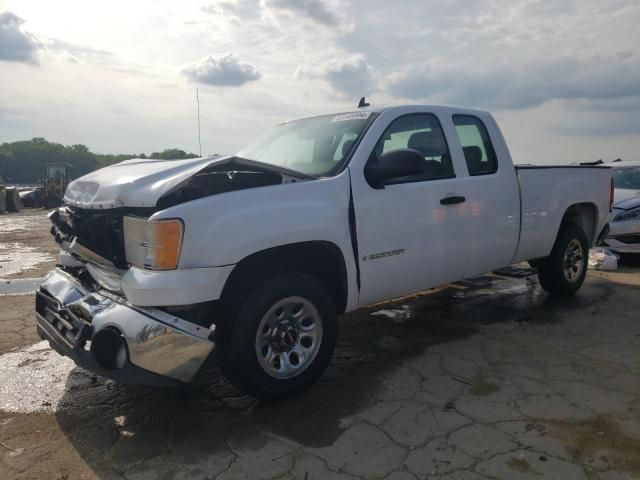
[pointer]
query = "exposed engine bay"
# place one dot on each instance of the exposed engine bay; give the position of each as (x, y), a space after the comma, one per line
(227, 176)
(98, 231)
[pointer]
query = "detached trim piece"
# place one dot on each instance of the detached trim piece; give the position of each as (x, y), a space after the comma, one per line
(75, 247)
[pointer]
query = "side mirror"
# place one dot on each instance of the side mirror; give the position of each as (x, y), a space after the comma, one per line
(394, 164)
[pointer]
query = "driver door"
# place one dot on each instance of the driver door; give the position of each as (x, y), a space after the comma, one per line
(411, 235)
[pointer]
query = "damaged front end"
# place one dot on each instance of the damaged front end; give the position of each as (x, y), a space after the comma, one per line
(92, 225)
(83, 312)
(105, 334)
(119, 304)
(92, 235)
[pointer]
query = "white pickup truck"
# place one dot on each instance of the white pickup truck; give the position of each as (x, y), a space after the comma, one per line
(256, 254)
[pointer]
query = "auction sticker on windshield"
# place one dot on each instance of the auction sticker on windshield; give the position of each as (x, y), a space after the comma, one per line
(351, 116)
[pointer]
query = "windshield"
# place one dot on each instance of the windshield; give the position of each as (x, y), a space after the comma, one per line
(627, 178)
(315, 146)
(55, 171)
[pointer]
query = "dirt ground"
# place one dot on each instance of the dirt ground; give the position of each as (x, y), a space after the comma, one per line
(17, 327)
(26, 247)
(26, 251)
(486, 379)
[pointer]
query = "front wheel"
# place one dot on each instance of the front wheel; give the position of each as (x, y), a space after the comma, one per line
(562, 273)
(282, 338)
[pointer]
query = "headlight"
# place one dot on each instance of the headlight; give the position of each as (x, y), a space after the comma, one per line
(153, 244)
(629, 215)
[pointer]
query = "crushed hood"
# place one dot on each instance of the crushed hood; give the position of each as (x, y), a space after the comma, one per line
(132, 183)
(142, 182)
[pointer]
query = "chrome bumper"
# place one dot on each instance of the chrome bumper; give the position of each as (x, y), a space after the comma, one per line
(161, 349)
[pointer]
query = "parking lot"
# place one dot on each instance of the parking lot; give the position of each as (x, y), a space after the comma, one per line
(486, 378)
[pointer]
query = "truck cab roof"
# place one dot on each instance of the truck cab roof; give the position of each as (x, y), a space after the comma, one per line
(624, 164)
(437, 109)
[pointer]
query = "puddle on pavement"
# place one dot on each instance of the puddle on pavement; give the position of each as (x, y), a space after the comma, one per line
(398, 315)
(481, 387)
(19, 286)
(520, 465)
(16, 257)
(18, 224)
(485, 292)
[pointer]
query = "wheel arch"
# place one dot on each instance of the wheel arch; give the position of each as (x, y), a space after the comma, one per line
(583, 215)
(323, 260)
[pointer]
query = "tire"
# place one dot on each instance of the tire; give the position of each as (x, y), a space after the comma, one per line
(562, 273)
(269, 333)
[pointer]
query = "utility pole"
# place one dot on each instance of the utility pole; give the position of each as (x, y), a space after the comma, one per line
(198, 103)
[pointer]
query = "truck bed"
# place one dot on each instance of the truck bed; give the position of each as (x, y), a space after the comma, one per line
(545, 194)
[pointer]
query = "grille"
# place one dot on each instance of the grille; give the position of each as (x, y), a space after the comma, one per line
(70, 328)
(100, 232)
(628, 239)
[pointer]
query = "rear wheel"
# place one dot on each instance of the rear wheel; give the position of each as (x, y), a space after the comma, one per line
(282, 337)
(562, 273)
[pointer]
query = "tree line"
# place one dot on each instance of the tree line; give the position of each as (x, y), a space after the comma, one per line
(23, 161)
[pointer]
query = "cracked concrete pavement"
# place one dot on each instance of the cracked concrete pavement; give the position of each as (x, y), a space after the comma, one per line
(486, 379)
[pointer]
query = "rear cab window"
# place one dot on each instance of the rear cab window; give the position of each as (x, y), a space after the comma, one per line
(627, 178)
(479, 153)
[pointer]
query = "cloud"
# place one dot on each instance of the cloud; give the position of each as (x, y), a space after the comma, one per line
(351, 76)
(324, 12)
(622, 104)
(222, 70)
(78, 53)
(16, 45)
(518, 84)
(603, 124)
(316, 10)
(234, 8)
(348, 77)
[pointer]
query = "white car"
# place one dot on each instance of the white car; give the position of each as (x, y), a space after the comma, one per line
(255, 255)
(624, 234)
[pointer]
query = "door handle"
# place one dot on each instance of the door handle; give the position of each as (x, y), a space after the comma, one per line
(452, 200)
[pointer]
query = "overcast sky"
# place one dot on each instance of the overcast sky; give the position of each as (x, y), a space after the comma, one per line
(562, 77)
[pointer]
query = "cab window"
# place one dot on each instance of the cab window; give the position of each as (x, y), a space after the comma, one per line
(421, 132)
(476, 145)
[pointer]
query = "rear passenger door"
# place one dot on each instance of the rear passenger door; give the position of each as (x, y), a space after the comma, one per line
(493, 198)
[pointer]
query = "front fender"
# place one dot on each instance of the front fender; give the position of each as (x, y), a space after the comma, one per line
(223, 229)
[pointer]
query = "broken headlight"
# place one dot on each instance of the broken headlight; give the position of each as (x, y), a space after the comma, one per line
(629, 215)
(153, 244)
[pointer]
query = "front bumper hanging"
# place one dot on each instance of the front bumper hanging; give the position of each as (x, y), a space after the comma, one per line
(103, 333)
